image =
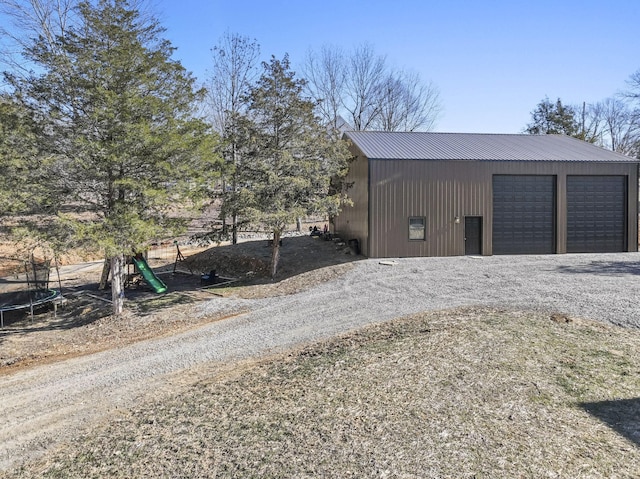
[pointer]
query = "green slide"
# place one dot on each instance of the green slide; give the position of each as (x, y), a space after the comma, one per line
(148, 275)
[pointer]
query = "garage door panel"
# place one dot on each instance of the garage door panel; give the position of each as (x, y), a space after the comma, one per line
(523, 214)
(596, 214)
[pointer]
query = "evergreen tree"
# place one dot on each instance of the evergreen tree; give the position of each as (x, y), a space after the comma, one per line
(19, 190)
(291, 157)
(553, 118)
(117, 117)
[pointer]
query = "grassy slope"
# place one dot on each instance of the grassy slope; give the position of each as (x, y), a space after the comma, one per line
(464, 393)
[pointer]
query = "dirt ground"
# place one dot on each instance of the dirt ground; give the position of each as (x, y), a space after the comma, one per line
(461, 393)
(84, 325)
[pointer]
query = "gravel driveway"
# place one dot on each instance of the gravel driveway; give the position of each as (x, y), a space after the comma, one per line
(52, 403)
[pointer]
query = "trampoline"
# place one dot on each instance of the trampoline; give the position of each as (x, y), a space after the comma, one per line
(30, 300)
(35, 296)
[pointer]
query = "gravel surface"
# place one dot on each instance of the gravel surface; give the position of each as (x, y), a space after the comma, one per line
(603, 287)
(51, 403)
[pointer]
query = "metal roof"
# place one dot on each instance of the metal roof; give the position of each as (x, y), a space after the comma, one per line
(478, 146)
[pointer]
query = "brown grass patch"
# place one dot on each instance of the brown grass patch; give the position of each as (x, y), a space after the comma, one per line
(463, 393)
(251, 260)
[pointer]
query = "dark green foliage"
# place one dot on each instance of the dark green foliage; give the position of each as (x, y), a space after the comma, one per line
(118, 113)
(116, 122)
(290, 158)
(19, 186)
(554, 118)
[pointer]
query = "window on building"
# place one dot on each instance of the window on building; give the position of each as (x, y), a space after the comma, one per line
(417, 228)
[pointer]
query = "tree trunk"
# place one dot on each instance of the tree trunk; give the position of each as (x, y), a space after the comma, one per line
(234, 213)
(117, 283)
(234, 229)
(234, 185)
(299, 224)
(104, 277)
(223, 215)
(275, 253)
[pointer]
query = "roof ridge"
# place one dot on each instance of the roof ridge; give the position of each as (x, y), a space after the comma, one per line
(440, 133)
(480, 146)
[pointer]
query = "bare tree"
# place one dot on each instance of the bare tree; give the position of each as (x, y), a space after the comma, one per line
(633, 95)
(326, 77)
(235, 61)
(369, 94)
(610, 123)
(407, 104)
(634, 87)
(621, 126)
(392, 99)
(589, 122)
(346, 84)
(364, 88)
(46, 20)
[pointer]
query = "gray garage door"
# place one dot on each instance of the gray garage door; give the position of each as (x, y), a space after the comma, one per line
(524, 214)
(596, 214)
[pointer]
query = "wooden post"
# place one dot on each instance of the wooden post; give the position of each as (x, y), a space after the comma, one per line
(275, 253)
(104, 277)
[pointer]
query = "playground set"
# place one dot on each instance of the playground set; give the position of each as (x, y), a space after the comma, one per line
(31, 291)
(142, 270)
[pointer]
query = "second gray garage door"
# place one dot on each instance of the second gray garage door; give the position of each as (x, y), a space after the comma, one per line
(524, 214)
(596, 214)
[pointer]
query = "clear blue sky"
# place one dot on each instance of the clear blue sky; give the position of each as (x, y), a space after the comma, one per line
(493, 60)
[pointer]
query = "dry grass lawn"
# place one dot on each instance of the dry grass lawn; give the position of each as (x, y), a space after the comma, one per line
(453, 394)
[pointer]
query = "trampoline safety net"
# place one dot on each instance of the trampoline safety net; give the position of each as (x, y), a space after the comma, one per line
(38, 275)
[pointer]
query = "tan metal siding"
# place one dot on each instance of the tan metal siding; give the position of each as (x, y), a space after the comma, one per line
(352, 222)
(437, 190)
(442, 190)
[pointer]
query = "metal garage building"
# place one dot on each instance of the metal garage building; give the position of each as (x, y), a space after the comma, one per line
(443, 194)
